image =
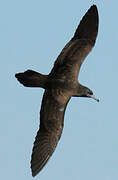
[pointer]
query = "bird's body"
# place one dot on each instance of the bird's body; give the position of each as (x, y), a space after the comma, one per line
(60, 85)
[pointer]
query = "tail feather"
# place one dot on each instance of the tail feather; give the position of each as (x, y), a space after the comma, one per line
(31, 78)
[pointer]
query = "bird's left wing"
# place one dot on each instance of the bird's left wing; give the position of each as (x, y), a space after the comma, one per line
(51, 125)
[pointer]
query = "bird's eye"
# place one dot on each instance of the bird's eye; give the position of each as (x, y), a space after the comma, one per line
(89, 92)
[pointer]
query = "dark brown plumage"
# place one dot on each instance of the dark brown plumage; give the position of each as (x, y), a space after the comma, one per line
(60, 85)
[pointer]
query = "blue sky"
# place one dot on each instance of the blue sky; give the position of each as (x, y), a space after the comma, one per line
(32, 34)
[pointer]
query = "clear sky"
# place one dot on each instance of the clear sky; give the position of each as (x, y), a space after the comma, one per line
(32, 34)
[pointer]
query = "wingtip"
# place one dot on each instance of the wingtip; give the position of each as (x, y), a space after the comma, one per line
(44, 146)
(35, 169)
(88, 27)
(94, 9)
(93, 6)
(34, 174)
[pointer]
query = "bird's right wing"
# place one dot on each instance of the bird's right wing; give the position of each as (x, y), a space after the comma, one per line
(70, 59)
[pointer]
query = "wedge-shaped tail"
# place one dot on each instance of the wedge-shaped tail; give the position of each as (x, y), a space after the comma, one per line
(31, 78)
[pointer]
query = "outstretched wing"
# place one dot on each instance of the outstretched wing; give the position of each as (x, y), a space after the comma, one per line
(70, 59)
(51, 126)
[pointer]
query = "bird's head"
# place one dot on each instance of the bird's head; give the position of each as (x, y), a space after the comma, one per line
(86, 92)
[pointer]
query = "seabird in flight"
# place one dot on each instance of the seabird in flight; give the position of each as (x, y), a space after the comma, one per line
(60, 85)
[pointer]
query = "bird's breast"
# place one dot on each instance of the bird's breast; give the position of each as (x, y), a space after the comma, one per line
(61, 96)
